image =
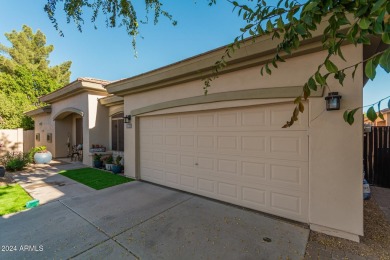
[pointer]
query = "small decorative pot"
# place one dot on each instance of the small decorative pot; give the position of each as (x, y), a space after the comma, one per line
(2, 171)
(109, 166)
(42, 157)
(97, 164)
(116, 168)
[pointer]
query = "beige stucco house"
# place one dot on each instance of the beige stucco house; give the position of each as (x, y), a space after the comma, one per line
(75, 116)
(230, 144)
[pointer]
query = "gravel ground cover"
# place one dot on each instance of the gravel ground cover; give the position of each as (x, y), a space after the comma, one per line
(374, 245)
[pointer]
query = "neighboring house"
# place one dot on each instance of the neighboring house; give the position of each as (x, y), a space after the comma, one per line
(230, 144)
(74, 116)
(379, 121)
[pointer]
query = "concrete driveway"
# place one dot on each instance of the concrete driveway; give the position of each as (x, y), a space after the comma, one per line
(143, 221)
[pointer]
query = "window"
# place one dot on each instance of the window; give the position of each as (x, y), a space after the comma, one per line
(117, 126)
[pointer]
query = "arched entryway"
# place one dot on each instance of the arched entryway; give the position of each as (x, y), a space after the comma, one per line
(69, 130)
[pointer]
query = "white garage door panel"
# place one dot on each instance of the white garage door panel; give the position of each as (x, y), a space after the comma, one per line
(291, 175)
(241, 156)
(264, 144)
(270, 117)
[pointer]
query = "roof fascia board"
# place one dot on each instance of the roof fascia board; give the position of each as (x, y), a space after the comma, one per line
(38, 111)
(111, 101)
(73, 89)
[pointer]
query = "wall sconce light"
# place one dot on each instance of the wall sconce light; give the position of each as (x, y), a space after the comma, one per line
(127, 121)
(49, 137)
(333, 101)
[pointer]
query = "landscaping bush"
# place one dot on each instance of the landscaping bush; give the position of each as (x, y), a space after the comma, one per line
(34, 150)
(15, 161)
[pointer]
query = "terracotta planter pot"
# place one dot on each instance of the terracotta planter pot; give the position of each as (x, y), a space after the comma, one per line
(42, 158)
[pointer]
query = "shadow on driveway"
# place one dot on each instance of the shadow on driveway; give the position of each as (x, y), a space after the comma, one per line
(142, 220)
(44, 183)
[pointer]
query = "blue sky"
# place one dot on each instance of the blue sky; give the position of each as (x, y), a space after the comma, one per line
(106, 53)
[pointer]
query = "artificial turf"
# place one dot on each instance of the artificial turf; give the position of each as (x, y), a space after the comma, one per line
(13, 198)
(95, 178)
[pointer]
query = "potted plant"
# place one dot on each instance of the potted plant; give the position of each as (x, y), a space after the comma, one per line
(2, 171)
(97, 162)
(109, 162)
(117, 167)
(41, 155)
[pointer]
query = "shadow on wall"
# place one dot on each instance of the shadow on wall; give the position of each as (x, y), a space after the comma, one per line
(99, 133)
(8, 144)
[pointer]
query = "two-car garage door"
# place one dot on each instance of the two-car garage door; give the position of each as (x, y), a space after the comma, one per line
(241, 156)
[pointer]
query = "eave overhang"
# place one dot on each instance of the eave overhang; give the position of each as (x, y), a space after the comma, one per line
(111, 101)
(38, 111)
(74, 88)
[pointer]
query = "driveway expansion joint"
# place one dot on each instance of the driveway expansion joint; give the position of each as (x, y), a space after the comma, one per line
(152, 217)
(100, 230)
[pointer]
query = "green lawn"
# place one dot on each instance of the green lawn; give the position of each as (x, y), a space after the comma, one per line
(13, 198)
(95, 178)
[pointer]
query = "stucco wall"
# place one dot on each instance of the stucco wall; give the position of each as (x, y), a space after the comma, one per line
(336, 158)
(16, 140)
(98, 124)
(28, 140)
(44, 125)
(335, 148)
(11, 140)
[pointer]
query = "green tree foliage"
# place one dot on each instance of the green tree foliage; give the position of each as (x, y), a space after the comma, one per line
(30, 51)
(25, 75)
(116, 12)
(11, 111)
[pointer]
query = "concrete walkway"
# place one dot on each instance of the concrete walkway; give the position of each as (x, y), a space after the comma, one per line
(44, 183)
(140, 220)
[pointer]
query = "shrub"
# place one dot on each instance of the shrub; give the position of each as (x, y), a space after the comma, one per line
(97, 157)
(34, 150)
(15, 161)
(109, 159)
(118, 160)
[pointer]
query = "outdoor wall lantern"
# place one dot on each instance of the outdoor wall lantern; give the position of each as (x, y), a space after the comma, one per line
(49, 137)
(333, 101)
(127, 121)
